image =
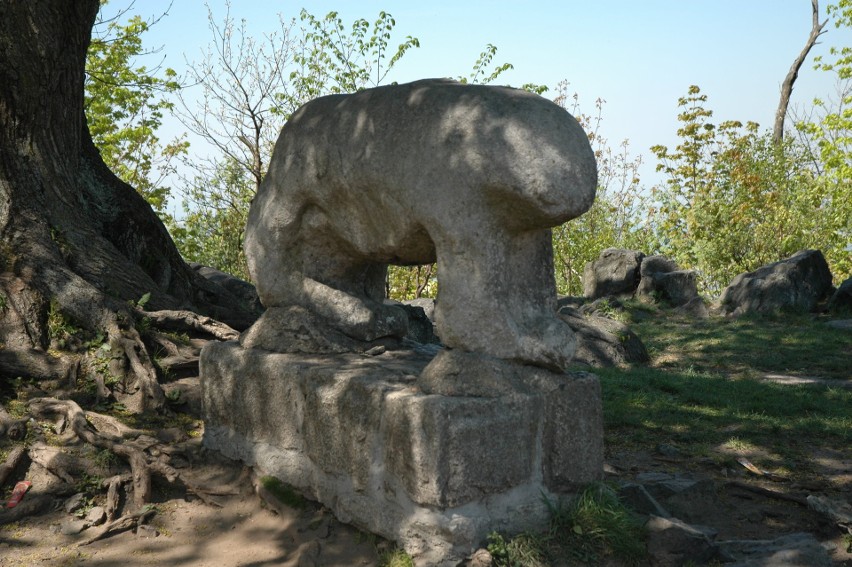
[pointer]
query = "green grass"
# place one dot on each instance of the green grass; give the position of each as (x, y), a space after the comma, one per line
(284, 493)
(703, 390)
(796, 345)
(593, 526)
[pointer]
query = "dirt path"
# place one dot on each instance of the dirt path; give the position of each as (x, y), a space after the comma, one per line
(185, 531)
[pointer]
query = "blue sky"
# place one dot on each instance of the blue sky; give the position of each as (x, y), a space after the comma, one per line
(639, 55)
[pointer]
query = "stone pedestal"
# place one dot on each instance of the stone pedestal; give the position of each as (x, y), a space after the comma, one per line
(433, 460)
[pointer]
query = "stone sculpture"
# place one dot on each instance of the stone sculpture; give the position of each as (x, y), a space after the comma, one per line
(431, 447)
(473, 176)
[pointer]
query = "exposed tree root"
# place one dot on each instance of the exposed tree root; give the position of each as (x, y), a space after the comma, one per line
(189, 321)
(11, 427)
(76, 417)
(123, 523)
(11, 463)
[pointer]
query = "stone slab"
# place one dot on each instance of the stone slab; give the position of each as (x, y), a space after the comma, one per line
(434, 472)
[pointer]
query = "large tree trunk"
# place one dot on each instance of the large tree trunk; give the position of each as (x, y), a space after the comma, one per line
(71, 233)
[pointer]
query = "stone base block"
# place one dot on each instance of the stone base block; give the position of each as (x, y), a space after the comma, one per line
(370, 438)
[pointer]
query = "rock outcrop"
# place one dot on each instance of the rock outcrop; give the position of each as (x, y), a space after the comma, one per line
(798, 283)
(614, 273)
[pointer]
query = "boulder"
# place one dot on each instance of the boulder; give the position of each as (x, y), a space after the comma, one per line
(615, 272)
(472, 175)
(602, 341)
(798, 283)
(661, 280)
(243, 290)
(841, 300)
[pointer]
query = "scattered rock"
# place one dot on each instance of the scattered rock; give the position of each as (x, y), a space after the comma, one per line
(798, 283)
(421, 328)
(147, 531)
(839, 511)
(615, 272)
(74, 503)
(96, 516)
(243, 290)
(662, 281)
(602, 341)
(695, 308)
(841, 300)
(793, 550)
(673, 543)
(481, 558)
(72, 526)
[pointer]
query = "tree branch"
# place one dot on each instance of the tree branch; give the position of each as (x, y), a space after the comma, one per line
(793, 73)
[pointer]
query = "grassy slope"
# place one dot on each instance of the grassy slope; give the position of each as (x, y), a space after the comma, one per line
(705, 388)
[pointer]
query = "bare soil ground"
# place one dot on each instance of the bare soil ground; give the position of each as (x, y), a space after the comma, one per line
(231, 525)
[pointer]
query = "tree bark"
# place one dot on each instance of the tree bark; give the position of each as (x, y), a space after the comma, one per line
(71, 233)
(793, 73)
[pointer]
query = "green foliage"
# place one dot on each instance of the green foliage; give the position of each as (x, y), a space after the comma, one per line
(124, 106)
(734, 200)
(523, 550)
(249, 90)
(595, 525)
(332, 59)
(614, 219)
(412, 282)
(213, 229)
(828, 134)
(60, 328)
(591, 527)
(395, 557)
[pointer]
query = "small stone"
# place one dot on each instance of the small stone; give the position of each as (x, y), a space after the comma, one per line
(74, 503)
(376, 350)
(667, 450)
(96, 516)
(482, 558)
(147, 531)
(170, 435)
(72, 526)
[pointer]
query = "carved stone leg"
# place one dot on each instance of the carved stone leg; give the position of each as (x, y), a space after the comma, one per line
(498, 296)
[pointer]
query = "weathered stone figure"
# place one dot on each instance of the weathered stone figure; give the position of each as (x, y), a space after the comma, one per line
(471, 175)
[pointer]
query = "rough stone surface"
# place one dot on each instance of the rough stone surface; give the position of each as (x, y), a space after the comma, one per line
(471, 176)
(841, 300)
(695, 308)
(798, 283)
(241, 289)
(434, 472)
(72, 526)
(602, 341)
(661, 280)
(96, 516)
(793, 550)
(615, 272)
